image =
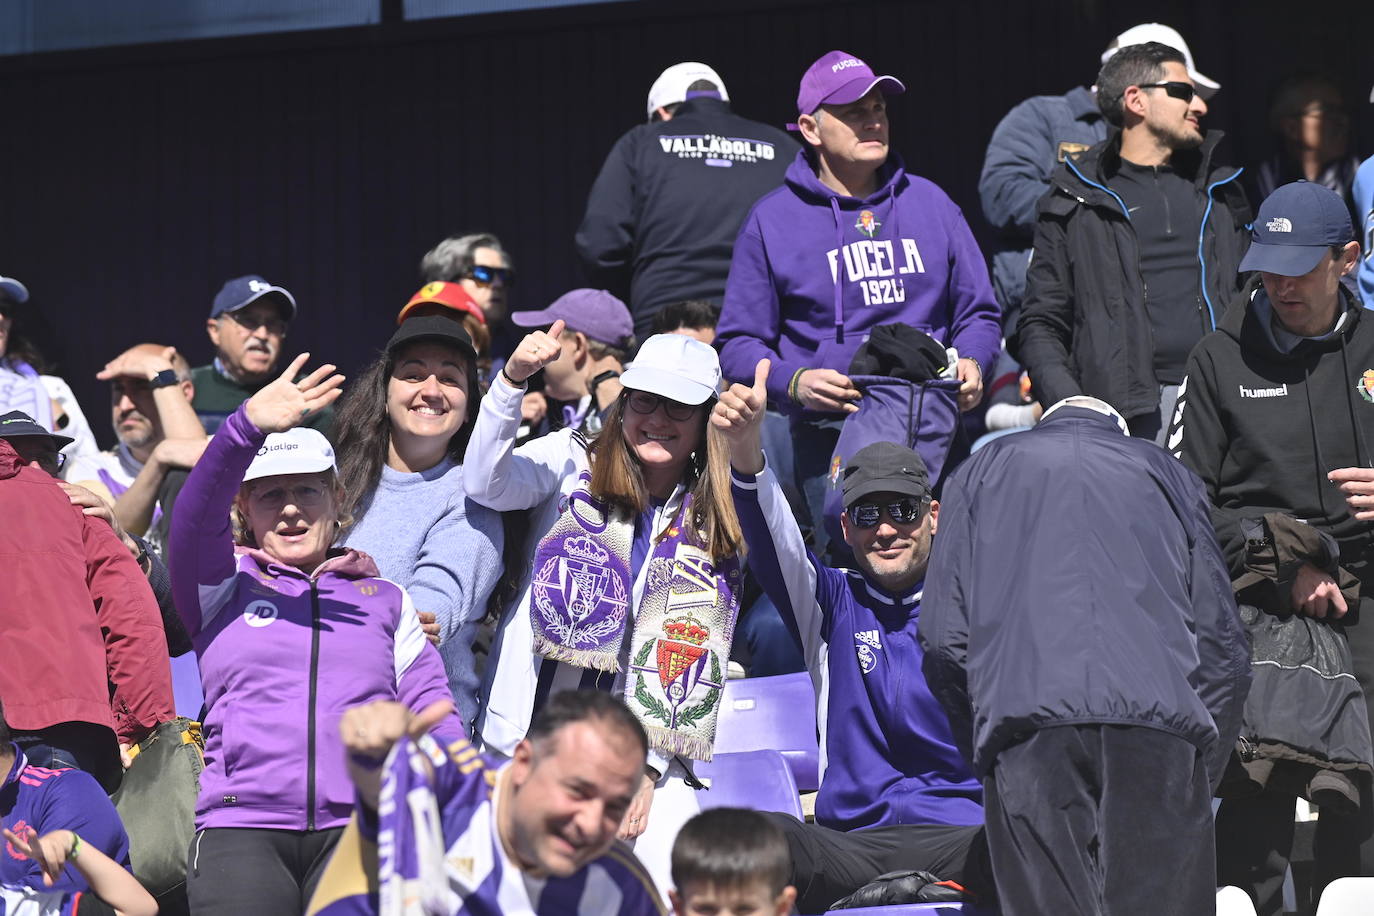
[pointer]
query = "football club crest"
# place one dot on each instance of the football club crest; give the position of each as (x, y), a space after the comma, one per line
(867, 223)
(593, 596)
(836, 465)
(681, 661)
(1365, 386)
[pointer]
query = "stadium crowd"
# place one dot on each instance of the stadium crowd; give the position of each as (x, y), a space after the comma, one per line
(463, 622)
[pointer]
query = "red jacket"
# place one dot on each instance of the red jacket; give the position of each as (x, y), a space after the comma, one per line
(81, 639)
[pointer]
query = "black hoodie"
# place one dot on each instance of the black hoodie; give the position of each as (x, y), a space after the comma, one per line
(1262, 428)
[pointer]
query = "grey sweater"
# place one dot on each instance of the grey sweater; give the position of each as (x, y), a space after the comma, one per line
(442, 548)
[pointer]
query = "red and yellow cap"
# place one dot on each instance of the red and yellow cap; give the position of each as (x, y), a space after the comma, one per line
(451, 295)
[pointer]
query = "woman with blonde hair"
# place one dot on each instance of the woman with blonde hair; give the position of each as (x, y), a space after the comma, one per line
(635, 580)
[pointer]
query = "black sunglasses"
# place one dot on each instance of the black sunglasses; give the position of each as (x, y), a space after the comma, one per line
(483, 274)
(904, 511)
(646, 403)
(1175, 89)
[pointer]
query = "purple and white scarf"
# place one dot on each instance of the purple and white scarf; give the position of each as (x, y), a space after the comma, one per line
(580, 601)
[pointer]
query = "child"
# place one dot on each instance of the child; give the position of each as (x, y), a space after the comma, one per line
(731, 861)
(119, 892)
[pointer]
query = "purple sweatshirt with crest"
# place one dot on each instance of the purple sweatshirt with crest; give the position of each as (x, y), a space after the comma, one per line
(284, 654)
(814, 271)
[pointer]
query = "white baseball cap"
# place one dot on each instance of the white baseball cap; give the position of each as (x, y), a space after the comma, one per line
(1155, 31)
(671, 85)
(299, 450)
(676, 367)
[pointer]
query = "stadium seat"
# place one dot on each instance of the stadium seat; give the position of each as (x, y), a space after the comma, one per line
(1232, 901)
(760, 780)
(1347, 897)
(186, 685)
(773, 713)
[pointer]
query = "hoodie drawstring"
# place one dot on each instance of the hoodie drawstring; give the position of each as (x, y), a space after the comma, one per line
(1320, 475)
(839, 271)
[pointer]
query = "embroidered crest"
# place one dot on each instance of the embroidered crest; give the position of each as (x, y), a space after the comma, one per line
(1365, 386)
(867, 223)
(430, 290)
(836, 465)
(865, 642)
(593, 596)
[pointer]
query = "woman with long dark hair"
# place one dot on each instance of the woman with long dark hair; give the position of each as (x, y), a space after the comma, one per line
(401, 432)
(634, 585)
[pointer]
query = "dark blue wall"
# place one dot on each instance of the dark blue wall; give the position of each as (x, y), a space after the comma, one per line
(135, 180)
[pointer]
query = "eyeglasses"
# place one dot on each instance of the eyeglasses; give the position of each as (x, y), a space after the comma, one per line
(1175, 89)
(484, 274)
(39, 449)
(646, 403)
(904, 511)
(251, 323)
(302, 496)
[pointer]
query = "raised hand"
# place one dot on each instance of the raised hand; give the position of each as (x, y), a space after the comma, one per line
(49, 851)
(537, 350)
(826, 389)
(1357, 485)
(738, 415)
(144, 361)
(371, 729)
(284, 403)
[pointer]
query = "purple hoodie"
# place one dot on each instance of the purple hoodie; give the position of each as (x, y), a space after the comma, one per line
(813, 272)
(283, 654)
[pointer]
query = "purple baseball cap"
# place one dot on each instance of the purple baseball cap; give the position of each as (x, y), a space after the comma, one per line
(839, 78)
(594, 312)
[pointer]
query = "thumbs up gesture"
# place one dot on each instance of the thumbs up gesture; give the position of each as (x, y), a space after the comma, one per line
(738, 416)
(537, 350)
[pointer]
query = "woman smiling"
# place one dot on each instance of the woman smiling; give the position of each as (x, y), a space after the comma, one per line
(290, 633)
(402, 431)
(634, 587)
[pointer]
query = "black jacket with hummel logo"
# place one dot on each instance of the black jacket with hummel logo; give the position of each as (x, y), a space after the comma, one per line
(1262, 428)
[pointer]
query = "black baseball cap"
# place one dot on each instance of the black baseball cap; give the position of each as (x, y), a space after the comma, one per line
(1295, 228)
(17, 423)
(434, 327)
(885, 467)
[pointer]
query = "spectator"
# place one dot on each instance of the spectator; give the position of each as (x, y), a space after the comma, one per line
(639, 517)
(158, 432)
(402, 432)
(248, 323)
(78, 824)
(75, 610)
(597, 340)
(482, 267)
(15, 426)
(728, 860)
(1093, 668)
(887, 753)
(46, 398)
(1249, 424)
(1114, 305)
(1028, 144)
(282, 622)
(536, 834)
(835, 252)
(694, 317)
(663, 213)
(1310, 123)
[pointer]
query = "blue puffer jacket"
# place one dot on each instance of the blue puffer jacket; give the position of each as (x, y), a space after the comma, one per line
(1075, 579)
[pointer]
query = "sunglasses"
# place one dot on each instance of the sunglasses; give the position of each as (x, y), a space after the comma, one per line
(483, 274)
(646, 403)
(904, 511)
(1175, 89)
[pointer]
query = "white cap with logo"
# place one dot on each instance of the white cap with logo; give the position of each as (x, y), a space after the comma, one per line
(299, 450)
(1155, 31)
(676, 367)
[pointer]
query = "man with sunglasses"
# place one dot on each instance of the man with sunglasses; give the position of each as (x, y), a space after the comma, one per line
(248, 323)
(1080, 632)
(1136, 246)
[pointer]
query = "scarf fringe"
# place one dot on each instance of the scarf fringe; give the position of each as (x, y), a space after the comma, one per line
(582, 658)
(675, 744)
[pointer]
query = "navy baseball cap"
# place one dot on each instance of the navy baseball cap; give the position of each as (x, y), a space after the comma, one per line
(1295, 228)
(13, 290)
(16, 423)
(246, 290)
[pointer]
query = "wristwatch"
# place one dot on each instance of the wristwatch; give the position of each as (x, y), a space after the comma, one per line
(603, 377)
(163, 379)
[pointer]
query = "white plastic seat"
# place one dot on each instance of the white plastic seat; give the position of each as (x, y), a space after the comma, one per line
(1347, 897)
(1232, 901)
